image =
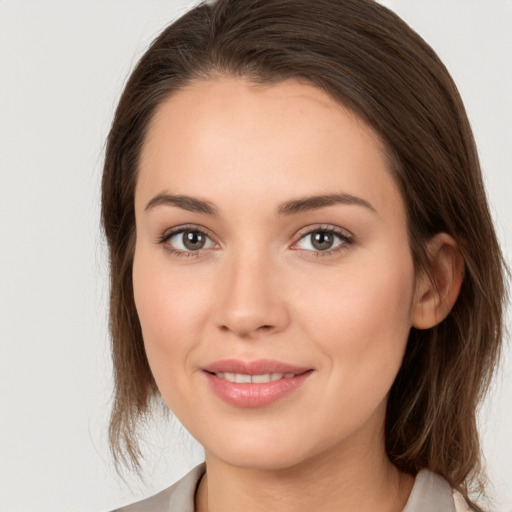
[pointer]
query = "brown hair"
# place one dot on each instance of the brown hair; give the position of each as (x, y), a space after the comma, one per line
(369, 60)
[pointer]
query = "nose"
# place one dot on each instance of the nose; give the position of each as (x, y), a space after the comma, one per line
(250, 301)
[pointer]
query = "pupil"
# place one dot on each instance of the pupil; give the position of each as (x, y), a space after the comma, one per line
(193, 240)
(322, 240)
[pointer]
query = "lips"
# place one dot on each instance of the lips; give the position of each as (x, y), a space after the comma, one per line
(254, 383)
(243, 378)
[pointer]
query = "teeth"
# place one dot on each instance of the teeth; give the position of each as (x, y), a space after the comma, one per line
(261, 378)
(258, 379)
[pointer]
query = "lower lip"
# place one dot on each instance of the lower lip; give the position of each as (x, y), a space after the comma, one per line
(251, 395)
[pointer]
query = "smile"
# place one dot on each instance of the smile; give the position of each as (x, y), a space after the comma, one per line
(257, 379)
(251, 384)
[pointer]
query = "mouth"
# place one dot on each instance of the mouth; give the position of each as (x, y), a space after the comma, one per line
(244, 378)
(254, 383)
(254, 368)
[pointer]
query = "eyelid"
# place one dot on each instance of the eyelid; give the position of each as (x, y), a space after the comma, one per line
(186, 227)
(169, 233)
(324, 227)
(346, 237)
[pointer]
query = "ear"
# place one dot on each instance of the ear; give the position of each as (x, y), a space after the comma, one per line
(437, 290)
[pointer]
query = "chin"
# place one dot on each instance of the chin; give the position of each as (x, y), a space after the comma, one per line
(260, 450)
(266, 459)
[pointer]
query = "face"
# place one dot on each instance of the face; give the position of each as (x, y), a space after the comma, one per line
(272, 274)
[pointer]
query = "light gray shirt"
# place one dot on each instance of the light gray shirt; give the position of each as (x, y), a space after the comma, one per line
(430, 493)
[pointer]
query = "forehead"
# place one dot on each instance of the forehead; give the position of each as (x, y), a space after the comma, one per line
(284, 139)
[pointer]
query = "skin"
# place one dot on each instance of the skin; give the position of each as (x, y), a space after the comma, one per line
(258, 289)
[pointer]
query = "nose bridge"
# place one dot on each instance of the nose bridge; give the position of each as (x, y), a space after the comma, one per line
(249, 300)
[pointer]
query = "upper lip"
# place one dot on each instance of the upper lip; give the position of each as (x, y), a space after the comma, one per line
(257, 367)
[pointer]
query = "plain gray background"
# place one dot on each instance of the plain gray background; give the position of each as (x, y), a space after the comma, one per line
(62, 67)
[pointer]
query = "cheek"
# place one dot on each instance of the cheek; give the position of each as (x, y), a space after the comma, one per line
(171, 308)
(361, 320)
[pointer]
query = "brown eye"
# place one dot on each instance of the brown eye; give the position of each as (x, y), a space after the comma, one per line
(322, 240)
(188, 240)
(194, 240)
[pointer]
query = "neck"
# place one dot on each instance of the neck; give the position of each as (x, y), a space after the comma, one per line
(338, 480)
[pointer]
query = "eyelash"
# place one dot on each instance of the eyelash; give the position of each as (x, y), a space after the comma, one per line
(345, 238)
(177, 252)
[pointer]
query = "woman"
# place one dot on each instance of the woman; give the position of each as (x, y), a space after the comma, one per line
(303, 261)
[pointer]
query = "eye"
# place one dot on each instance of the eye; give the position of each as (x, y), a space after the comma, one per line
(186, 240)
(325, 240)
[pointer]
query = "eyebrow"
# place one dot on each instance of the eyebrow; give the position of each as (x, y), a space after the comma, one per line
(189, 203)
(293, 207)
(316, 202)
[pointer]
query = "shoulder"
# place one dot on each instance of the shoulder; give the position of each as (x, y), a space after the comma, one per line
(177, 498)
(460, 503)
(432, 492)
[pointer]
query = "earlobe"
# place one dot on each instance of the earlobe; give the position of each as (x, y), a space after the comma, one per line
(437, 290)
